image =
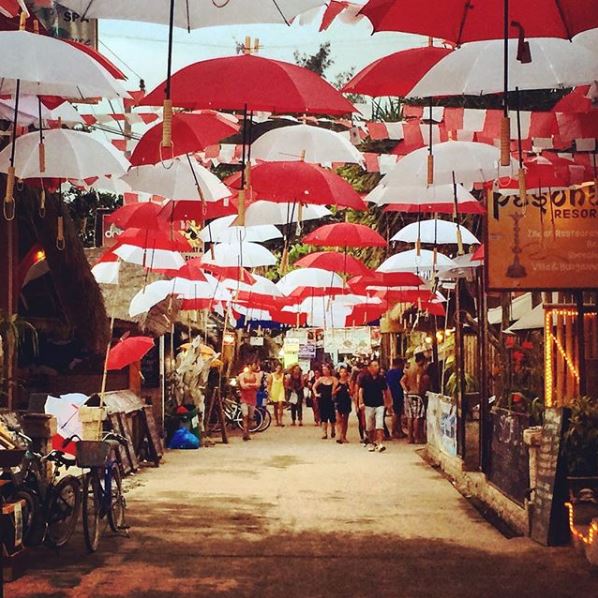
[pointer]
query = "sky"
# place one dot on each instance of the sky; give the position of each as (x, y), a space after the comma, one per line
(142, 48)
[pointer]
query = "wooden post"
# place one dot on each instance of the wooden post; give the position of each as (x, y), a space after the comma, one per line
(581, 343)
(459, 371)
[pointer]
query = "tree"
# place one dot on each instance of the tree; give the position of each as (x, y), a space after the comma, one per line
(318, 62)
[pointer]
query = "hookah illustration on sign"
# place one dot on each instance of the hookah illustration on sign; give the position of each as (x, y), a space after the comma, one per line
(516, 269)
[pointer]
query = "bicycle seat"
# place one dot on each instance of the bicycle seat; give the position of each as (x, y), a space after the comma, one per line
(60, 457)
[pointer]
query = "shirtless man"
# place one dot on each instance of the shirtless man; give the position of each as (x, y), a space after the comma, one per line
(415, 383)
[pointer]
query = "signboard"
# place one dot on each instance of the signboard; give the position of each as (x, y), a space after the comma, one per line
(256, 341)
(109, 232)
(307, 351)
(348, 340)
(441, 423)
(550, 243)
(65, 23)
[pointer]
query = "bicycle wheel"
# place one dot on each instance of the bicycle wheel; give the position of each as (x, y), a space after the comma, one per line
(63, 510)
(266, 419)
(34, 525)
(116, 514)
(91, 511)
(256, 424)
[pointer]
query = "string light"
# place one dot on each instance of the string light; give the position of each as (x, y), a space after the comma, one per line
(548, 389)
(592, 533)
(564, 355)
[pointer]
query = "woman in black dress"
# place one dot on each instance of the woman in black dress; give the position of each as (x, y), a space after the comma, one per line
(324, 388)
(342, 397)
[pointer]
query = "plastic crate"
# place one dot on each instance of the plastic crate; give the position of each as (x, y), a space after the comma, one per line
(92, 453)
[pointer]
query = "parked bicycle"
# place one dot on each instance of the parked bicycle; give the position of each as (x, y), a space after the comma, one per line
(103, 499)
(50, 504)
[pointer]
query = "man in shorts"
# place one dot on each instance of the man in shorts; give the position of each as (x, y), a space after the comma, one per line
(416, 384)
(249, 383)
(374, 398)
(393, 379)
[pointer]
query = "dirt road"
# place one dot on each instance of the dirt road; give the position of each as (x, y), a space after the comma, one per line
(290, 515)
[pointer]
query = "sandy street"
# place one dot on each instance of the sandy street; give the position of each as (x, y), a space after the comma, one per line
(289, 514)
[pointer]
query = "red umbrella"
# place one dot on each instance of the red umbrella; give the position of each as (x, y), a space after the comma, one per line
(463, 21)
(197, 210)
(479, 254)
(107, 64)
(226, 272)
(253, 83)
(333, 261)
(191, 132)
(299, 182)
(396, 74)
(360, 284)
(345, 234)
(136, 215)
(128, 351)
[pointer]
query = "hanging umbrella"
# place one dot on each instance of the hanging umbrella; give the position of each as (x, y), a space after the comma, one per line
(29, 109)
(108, 184)
(128, 351)
(396, 74)
(267, 212)
(106, 269)
(438, 232)
(307, 143)
(310, 281)
(136, 215)
(98, 57)
(333, 261)
(11, 8)
(547, 172)
(416, 261)
(220, 232)
(345, 234)
(222, 273)
(360, 284)
(69, 154)
(248, 255)
(475, 68)
(199, 211)
(185, 179)
(463, 162)
(252, 83)
(299, 182)
(437, 199)
(191, 132)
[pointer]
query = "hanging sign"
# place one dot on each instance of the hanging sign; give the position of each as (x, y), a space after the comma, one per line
(550, 243)
(65, 23)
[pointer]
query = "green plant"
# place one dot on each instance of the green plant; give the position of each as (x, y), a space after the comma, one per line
(581, 438)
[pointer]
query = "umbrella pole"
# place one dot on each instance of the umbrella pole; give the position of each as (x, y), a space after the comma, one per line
(41, 147)
(105, 372)
(456, 217)
(521, 173)
(505, 125)
(167, 105)
(430, 155)
(9, 208)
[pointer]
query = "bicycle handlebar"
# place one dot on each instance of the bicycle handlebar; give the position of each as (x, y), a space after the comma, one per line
(115, 436)
(60, 458)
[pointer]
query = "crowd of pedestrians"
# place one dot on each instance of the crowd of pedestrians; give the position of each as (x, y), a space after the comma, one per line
(333, 393)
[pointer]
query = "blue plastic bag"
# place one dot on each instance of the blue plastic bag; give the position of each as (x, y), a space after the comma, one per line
(183, 439)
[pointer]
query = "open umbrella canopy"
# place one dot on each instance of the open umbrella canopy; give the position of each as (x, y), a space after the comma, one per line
(222, 230)
(439, 232)
(267, 212)
(248, 255)
(462, 21)
(345, 234)
(191, 132)
(29, 112)
(299, 182)
(197, 210)
(467, 161)
(309, 279)
(69, 154)
(396, 74)
(477, 68)
(360, 284)
(107, 269)
(307, 143)
(438, 199)
(414, 261)
(251, 82)
(136, 215)
(128, 351)
(47, 66)
(333, 261)
(193, 15)
(184, 179)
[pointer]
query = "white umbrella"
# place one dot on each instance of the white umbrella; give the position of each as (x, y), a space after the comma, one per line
(437, 197)
(248, 255)
(69, 154)
(44, 65)
(267, 212)
(470, 163)
(29, 112)
(179, 181)
(195, 14)
(261, 286)
(412, 261)
(441, 232)
(106, 269)
(477, 68)
(309, 278)
(305, 142)
(221, 230)
(154, 259)
(109, 184)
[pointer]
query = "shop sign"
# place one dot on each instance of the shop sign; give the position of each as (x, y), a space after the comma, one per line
(65, 23)
(549, 243)
(307, 351)
(348, 340)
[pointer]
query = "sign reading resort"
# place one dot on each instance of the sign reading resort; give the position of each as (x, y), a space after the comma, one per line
(549, 243)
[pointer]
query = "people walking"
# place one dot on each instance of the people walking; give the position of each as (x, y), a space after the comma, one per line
(312, 379)
(294, 385)
(325, 387)
(374, 398)
(342, 398)
(393, 379)
(249, 383)
(358, 371)
(416, 383)
(276, 390)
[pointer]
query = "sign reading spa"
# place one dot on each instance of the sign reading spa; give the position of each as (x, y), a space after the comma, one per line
(548, 242)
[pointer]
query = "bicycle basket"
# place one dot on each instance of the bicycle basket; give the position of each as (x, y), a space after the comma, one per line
(92, 453)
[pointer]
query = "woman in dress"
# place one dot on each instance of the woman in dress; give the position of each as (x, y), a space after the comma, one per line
(324, 388)
(342, 397)
(314, 375)
(294, 385)
(276, 390)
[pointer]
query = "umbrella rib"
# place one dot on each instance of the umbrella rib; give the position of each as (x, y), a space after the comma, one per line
(281, 13)
(562, 15)
(87, 9)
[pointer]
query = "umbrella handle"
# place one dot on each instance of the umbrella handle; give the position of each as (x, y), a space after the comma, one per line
(42, 156)
(522, 187)
(8, 207)
(430, 169)
(167, 123)
(505, 141)
(42, 204)
(60, 242)
(171, 146)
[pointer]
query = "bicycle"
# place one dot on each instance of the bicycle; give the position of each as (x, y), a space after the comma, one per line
(51, 506)
(103, 500)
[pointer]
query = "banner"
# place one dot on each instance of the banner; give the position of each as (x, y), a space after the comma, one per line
(348, 340)
(551, 243)
(65, 23)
